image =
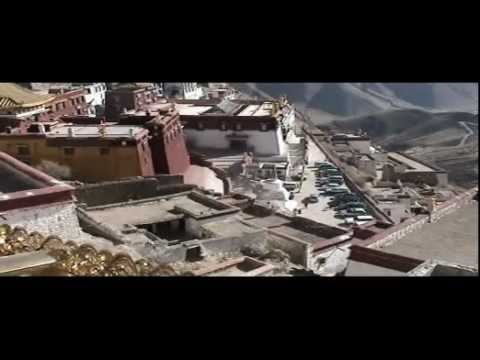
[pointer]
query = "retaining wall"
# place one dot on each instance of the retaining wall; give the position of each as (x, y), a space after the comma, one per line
(399, 231)
(121, 191)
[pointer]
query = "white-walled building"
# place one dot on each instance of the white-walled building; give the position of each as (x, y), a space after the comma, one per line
(94, 96)
(189, 91)
(259, 127)
(356, 143)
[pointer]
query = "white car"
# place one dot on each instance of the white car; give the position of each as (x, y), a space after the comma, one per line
(364, 218)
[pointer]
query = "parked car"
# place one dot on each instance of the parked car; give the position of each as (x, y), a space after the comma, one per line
(338, 190)
(348, 205)
(352, 212)
(346, 197)
(337, 202)
(329, 186)
(336, 181)
(335, 177)
(322, 163)
(333, 173)
(363, 219)
(313, 198)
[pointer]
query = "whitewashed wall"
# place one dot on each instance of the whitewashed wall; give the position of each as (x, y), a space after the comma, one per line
(361, 146)
(264, 142)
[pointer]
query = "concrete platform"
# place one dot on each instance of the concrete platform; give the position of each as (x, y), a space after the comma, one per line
(454, 238)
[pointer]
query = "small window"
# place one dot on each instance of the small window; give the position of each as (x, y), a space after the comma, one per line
(263, 127)
(69, 151)
(200, 126)
(23, 150)
(223, 126)
(104, 151)
(238, 126)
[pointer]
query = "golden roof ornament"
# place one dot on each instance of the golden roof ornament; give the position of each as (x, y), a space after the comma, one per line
(76, 260)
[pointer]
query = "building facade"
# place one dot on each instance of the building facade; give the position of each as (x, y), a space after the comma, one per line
(19, 107)
(166, 137)
(129, 98)
(258, 127)
(94, 96)
(189, 91)
(85, 152)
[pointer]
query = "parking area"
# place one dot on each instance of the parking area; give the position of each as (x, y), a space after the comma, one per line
(318, 211)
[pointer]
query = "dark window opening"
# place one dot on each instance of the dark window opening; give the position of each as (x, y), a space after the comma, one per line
(104, 151)
(194, 254)
(69, 151)
(240, 145)
(23, 150)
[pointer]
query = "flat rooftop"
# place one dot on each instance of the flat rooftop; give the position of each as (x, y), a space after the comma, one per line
(266, 221)
(230, 227)
(454, 238)
(136, 214)
(356, 268)
(156, 210)
(191, 109)
(311, 235)
(410, 163)
(264, 109)
(93, 131)
(226, 107)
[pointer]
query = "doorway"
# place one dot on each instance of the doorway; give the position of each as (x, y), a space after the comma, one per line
(238, 145)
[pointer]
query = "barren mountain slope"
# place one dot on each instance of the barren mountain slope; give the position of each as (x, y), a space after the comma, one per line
(343, 100)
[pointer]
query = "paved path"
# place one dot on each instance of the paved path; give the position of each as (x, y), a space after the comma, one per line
(468, 130)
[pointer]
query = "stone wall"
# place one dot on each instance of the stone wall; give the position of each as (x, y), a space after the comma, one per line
(59, 219)
(235, 243)
(432, 178)
(296, 248)
(121, 191)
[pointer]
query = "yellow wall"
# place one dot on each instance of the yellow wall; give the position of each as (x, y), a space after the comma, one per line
(86, 164)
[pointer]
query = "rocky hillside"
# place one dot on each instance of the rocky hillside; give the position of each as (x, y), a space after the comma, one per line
(448, 140)
(328, 101)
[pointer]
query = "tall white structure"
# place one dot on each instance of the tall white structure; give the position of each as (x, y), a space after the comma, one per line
(188, 90)
(260, 127)
(95, 96)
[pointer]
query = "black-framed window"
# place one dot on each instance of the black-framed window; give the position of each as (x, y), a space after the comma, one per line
(23, 150)
(69, 151)
(104, 151)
